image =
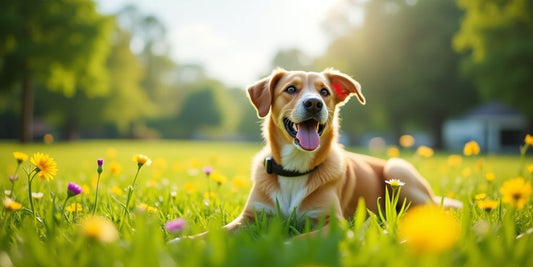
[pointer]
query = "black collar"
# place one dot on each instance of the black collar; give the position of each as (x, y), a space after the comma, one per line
(271, 166)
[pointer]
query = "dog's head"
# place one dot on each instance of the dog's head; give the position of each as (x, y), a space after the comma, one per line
(303, 105)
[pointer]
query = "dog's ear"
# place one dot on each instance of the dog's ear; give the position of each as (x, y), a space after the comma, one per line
(261, 92)
(344, 85)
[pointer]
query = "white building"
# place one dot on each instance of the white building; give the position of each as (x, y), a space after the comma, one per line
(496, 127)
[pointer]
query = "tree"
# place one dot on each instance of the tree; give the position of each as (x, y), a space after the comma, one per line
(496, 40)
(292, 59)
(403, 58)
(62, 45)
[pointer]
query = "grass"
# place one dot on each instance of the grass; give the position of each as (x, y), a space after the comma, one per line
(175, 186)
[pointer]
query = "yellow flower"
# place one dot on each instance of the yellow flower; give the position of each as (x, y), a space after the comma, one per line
(516, 192)
(142, 160)
(116, 190)
(11, 204)
(471, 148)
(424, 151)
(407, 140)
(428, 229)
(487, 205)
(20, 156)
(189, 188)
(239, 181)
(528, 140)
(98, 228)
(210, 195)
(393, 152)
(490, 176)
(219, 178)
(480, 196)
(143, 207)
(466, 172)
(455, 160)
(45, 164)
(74, 207)
(86, 189)
(530, 168)
(115, 168)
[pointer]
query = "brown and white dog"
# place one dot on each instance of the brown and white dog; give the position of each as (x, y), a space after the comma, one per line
(303, 168)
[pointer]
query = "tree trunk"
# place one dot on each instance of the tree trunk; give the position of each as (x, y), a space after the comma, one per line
(26, 112)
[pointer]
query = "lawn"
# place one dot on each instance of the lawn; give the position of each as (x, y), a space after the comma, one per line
(495, 227)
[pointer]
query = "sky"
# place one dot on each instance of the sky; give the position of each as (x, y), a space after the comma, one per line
(235, 40)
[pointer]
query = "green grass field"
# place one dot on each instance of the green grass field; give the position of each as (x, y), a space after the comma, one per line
(175, 186)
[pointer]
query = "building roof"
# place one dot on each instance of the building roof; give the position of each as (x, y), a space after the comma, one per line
(491, 109)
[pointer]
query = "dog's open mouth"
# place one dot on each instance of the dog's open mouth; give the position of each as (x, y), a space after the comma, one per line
(306, 134)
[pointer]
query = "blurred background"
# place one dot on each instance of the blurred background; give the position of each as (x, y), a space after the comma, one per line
(443, 71)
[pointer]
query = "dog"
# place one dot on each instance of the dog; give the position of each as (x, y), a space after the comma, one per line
(303, 168)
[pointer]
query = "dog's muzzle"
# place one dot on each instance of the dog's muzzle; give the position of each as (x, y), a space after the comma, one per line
(307, 130)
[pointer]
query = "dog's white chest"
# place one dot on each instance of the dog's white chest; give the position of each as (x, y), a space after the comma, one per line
(292, 191)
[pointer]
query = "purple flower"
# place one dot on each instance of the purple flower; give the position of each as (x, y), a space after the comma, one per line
(13, 178)
(100, 164)
(175, 225)
(73, 189)
(208, 170)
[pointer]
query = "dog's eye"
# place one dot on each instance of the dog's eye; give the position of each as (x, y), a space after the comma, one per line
(291, 90)
(324, 92)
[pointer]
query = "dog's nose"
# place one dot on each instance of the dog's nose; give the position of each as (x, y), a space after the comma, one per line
(313, 105)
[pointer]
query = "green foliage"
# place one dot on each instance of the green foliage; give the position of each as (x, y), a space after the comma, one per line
(496, 39)
(501, 236)
(60, 44)
(402, 57)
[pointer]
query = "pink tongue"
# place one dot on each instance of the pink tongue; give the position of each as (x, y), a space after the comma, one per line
(307, 135)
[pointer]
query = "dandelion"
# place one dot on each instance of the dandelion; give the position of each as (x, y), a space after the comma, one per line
(490, 176)
(99, 170)
(455, 160)
(175, 225)
(395, 183)
(11, 205)
(98, 229)
(208, 195)
(45, 166)
(219, 179)
(530, 168)
(393, 152)
(189, 188)
(74, 207)
(480, 196)
(143, 207)
(142, 160)
(487, 205)
(20, 157)
(407, 140)
(428, 229)
(466, 172)
(116, 190)
(528, 140)
(115, 168)
(239, 182)
(471, 148)
(516, 192)
(424, 151)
